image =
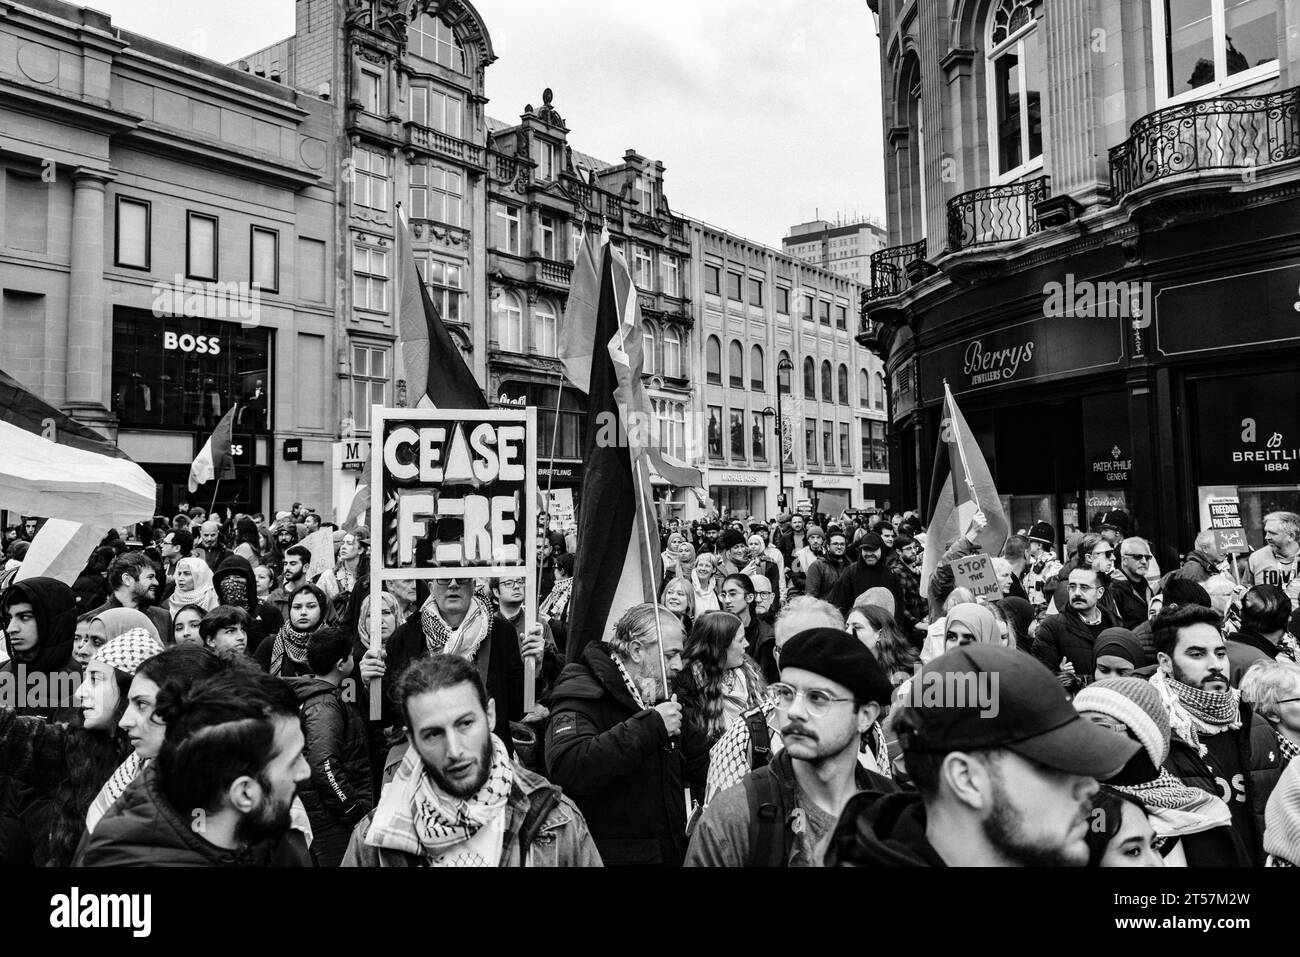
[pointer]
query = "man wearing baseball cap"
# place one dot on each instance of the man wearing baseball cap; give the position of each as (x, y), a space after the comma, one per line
(1005, 770)
(830, 694)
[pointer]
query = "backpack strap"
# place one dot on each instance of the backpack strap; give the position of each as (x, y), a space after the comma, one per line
(767, 813)
(760, 740)
(540, 803)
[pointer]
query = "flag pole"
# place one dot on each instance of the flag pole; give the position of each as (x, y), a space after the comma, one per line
(213, 503)
(961, 451)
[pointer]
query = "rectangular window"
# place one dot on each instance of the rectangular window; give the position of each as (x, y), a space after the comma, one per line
(545, 161)
(200, 246)
(875, 456)
(755, 292)
(828, 443)
(841, 317)
(370, 178)
(265, 259)
(825, 312)
(369, 382)
(758, 433)
(544, 332)
(418, 204)
(808, 304)
(132, 240)
(782, 301)
(737, 435)
(712, 280)
(648, 352)
(734, 280)
(810, 441)
(445, 113)
(506, 226)
(443, 194)
(548, 236)
(845, 461)
(672, 276)
(644, 197)
(418, 104)
(715, 431)
(369, 277)
(372, 92)
(879, 391)
(672, 354)
(446, 283)
(644, 269)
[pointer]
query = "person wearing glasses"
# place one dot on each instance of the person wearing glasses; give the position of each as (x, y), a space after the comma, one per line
(1096, 553)
(831, 693)
(1130, 589)
(1065, 642)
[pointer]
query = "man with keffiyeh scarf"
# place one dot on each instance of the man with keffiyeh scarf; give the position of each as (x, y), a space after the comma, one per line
(1232, 752)
(458, 800)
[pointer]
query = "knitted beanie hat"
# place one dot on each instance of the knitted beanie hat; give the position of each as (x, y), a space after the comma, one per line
(1134, 702)
(1282, 817)
(129, 650)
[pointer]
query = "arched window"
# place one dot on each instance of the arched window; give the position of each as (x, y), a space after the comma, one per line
(510, 323)
(842, 380)
(809, 378)
(544, 329)
(1015, 81)
(713, 360)
(756, 373)
(880, 390)
(648, 348)
(736, 365)
(827, 394)
(864, 389)
(672, 352)
(783, 367)
(430, 38)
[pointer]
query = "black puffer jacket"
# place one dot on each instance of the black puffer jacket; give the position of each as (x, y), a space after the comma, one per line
(882, 830)
(615, 760)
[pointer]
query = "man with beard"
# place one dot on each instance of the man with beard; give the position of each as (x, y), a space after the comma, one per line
(826, 570)
(708, 542)
(1233, 751)
(214, 553)
(219, 792)
(458, 799)
(133, 580)
(830, 694)
(296, 560)
(869, 571)
(1065, 642)
(1004, 769)
(620, 747)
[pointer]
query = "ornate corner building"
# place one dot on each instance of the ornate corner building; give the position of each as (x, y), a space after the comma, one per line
(1092, 228)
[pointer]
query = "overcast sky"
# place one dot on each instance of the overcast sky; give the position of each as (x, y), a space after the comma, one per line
(765, 113)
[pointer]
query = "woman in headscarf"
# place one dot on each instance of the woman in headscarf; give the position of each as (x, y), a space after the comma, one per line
(1116, 654)
(718, 680)
(52, 770)
(969, 623)
(1019, 616)
(193, 586)
(108, 624)
(285, 655)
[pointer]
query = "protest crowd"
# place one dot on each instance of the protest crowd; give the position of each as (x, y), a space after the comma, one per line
(809, 691)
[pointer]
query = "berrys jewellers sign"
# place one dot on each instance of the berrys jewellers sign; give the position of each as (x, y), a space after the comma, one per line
(1023, 353)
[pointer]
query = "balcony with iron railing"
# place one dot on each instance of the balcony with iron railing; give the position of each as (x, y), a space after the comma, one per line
(893, 269)
(441, 144)
(1221, 134)
(995, 214)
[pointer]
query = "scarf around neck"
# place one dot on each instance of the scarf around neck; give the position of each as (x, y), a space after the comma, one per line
(292, 642)
(112, 790)
(1177, 809)
(464, 641)
(1193, 712)
(414, 817)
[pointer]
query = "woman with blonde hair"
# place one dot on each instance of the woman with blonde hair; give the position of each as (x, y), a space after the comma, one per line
(679, 597)
(704, 582)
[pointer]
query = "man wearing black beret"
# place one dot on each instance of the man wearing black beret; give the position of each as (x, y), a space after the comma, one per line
(830, 694)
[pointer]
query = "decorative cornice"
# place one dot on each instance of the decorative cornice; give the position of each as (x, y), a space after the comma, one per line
(956, 57)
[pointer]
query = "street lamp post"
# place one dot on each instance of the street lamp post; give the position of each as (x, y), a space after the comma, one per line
(786, 366)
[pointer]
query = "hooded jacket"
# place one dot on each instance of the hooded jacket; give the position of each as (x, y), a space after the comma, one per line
(882, 830)
(615, 760)
(55, 609)
(339, 793)
(266, 618)
(143, 830)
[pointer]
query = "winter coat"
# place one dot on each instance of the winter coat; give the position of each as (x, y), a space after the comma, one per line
(1198, 567)
(822, 576)
(55, 609)
(339, 793)
(1258, 754)
(498, 661)
(882, 830)
(90, 590)
(1131, 600)
(1146, 637)
(1066, 636)
(562, 840)
(143, 830)
(914, 607)
(857, 578)
(1247, 647)
(616, 761)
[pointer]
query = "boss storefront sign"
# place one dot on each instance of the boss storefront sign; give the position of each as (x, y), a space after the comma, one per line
(181, 373)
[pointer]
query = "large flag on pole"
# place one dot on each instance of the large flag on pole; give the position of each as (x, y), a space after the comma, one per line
(435, 371)
(577, 339)
(214, 460)
(960, 488)
(618, 561)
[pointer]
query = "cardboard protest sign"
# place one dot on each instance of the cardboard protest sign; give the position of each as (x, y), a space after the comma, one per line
(1225, 521)
(455, 496)
(976, 573)
(561, 511)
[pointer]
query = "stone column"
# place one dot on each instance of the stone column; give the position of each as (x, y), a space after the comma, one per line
(87, 393)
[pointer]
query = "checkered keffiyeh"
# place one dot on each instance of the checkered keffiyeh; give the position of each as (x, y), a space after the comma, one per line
(413, 817)
(1289, 751)
(1193, 712)
(112, 790)
(129, 650)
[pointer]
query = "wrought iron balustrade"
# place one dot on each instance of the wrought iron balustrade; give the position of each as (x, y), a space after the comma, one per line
(995, 214)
